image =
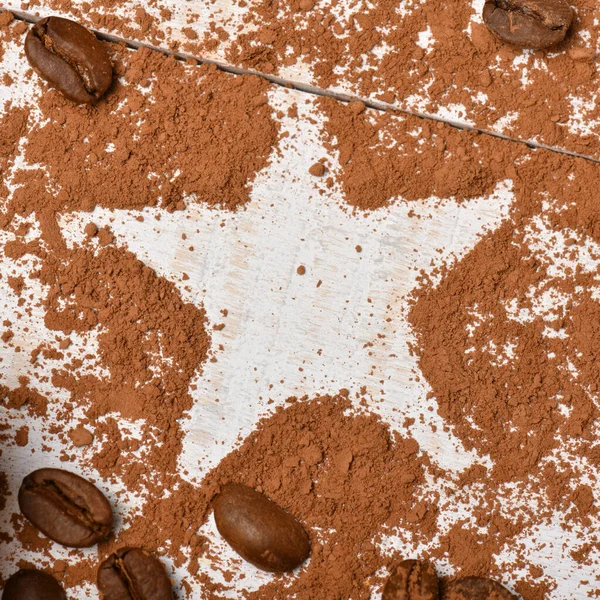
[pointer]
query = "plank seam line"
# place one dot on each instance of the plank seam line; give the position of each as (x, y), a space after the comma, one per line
(315, 91)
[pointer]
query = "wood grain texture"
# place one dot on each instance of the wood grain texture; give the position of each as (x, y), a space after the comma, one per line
(284, 335)
(427, 57)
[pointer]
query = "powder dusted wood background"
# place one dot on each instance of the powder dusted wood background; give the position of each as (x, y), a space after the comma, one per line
(285, 335)
(418, 55)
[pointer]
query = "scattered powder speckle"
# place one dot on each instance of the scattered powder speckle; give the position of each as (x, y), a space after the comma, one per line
(515, 380)
(318, 169)
(81, 436)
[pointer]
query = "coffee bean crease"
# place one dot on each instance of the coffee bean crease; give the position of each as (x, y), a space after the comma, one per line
(67, 508)
(133, 574)
(70, 58)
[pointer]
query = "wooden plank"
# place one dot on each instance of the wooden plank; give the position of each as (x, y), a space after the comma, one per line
(280, 321)
(426, 57)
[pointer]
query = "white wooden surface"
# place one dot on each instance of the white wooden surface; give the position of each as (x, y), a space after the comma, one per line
(203, 17)
(278, 320)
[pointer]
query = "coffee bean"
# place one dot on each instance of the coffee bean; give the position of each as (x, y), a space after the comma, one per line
(477, 588)
(259, 530)
(412, 580)
(133, 574)
(528, 23)
(67, 508)
(31, 584)
(69, 58)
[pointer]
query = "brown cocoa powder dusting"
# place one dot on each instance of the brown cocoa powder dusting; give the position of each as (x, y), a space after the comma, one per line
(506, 385)
(513, 397)
(432, 160)
(384, 56)
(133, 388)
(4, 493)
(424, 56)
(149, 346)
(330, 468)
(150, 342)
(326, 464)
(166, 134)
(102, 16)
(23, 396)
(507, 341)
(13, 125)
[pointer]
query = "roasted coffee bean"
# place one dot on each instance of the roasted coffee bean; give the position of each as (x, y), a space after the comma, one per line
(31, 584)
(477, 588)
(69, 58)
(259, 530)
(67, 508)
(133, 574)
(412, 580)
(528, 23)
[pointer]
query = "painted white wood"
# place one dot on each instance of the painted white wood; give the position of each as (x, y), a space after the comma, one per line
(203, 17)
(278, 321)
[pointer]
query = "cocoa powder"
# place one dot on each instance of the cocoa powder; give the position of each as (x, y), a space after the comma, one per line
(513, 391)
(171, 131)
(512, 373)
(150, 341)
(432, 160)
(326, 464)
(427, 56)
(513, 397)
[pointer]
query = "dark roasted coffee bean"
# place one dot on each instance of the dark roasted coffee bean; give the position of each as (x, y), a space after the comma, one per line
(528, 23)
(67, 508)
(412, 580)
(259, 530)
(70, 58)
(31, 584)
(477, 588)
(133, 574)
